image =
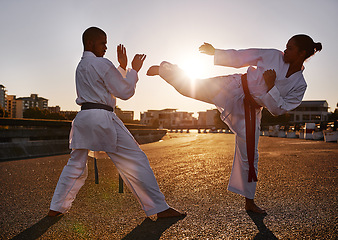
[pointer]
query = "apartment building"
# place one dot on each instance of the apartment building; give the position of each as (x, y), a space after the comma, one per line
(24, 103)
(11, 106)
(310, 111)
(2, 96)
(125, 116)
(168, 118)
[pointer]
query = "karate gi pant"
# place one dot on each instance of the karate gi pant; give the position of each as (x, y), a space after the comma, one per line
(133, 166)
(238, 182)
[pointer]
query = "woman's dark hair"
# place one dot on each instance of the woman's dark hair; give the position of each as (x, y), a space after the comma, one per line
(304, 42)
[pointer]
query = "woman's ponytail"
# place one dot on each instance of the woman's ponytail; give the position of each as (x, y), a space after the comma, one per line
(317, 47)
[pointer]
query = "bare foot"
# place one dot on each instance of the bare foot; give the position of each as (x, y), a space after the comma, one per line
(153, 70)
(170, 212)
(53, 213)
(252, 207)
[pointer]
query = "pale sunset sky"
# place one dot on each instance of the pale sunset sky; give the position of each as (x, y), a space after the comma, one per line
(40, 43)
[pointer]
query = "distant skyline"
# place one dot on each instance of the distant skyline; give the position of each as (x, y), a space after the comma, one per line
(41, 43)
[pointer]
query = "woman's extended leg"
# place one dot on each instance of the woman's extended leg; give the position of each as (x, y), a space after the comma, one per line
(200, 89)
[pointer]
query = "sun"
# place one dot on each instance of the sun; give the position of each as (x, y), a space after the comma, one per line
(193, 67)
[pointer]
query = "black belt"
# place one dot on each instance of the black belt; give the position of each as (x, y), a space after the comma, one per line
(89, 105)
(250, 107)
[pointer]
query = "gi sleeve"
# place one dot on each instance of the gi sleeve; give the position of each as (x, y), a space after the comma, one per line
(245, 57)
(121, 83)
(277, 105)
(237, 58)
(122, 71)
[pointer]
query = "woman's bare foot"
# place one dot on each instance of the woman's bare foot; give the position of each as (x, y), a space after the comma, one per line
(170, 212)
(251, 206)
(53, 213)
(153, 70)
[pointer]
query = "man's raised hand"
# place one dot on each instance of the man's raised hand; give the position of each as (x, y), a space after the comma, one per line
(138, 61)
(122, 56)
(207, 48)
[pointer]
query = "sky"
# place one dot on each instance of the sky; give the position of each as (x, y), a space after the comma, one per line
(40, 43)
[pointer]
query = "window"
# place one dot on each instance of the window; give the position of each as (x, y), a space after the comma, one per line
(306, 117)
(316, 117)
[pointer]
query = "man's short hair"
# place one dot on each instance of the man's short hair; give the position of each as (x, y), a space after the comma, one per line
(91, 34)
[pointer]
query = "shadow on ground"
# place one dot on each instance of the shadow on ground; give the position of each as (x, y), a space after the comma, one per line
(151, 230)
(264, 232)
(38, 229)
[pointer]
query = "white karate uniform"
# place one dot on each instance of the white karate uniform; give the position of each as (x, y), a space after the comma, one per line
(286, 95)
(98, 81)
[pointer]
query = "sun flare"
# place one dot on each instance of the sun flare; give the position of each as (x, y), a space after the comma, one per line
(194, 68)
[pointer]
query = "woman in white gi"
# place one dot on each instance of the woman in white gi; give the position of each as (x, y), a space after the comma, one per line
(275, 81)
(97, 128)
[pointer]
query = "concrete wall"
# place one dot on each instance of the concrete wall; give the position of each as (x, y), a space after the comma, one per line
(51, 138)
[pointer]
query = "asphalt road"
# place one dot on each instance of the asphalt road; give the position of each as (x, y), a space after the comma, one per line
(297, 185)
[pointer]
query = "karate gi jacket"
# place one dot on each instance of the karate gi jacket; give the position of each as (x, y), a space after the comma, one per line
(287, 93)
(285, 96)
(99, 81)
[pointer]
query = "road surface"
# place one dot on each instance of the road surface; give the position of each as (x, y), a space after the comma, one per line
(297, 186)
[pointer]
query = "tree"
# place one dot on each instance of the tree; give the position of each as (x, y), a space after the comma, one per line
(268, 119)
(70, 116)
(3, 112)
(36, 113)
(55, 116)
(334, 116)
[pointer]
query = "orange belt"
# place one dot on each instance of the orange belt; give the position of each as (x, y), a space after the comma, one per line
(250, 107)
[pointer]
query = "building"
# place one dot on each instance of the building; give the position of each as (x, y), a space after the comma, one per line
(55, 109)
(125, 116)
(210, 118)
(11, 106)
(207, 119)
(25, 103)
(171, 118)
(2, 97)
(310, 111)
(168, 118)
(202, 119)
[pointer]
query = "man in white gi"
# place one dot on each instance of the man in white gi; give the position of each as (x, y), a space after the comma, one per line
(273, 80)
(97, 128)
